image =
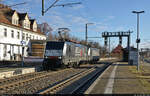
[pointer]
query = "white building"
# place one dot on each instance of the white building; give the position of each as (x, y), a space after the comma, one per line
(14, 28)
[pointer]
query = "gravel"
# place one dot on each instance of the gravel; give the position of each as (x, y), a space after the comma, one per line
(39, 84)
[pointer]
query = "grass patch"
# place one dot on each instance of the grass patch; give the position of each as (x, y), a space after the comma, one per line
(145, 84)
(139, 74)
(143, 77)
(133, 69)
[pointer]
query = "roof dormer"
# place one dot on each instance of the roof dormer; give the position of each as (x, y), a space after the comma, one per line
(33, 24)
(15, 18)
(24, 20)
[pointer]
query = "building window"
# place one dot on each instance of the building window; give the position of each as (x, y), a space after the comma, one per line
(27, 25)
(5, 51)
(16, 22)
(12, 33)
(18, 35)
(23, 36)
(35, 29)
(24, 25)
(18, 49)
(26, 36)
(13, 21)
(30, 36)
(5, 32)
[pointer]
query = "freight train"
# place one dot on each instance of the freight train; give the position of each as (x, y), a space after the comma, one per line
(52, 54)
(68, 54)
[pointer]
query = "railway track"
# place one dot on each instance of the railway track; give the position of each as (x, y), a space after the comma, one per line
(19, 77)
(57, 88)
(61, 85)
(86, 83)
(11, 83)
(34, 83)
(37, 83)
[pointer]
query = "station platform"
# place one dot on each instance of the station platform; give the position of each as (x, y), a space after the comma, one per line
(121, 78)
(9, 72)
(31, 64)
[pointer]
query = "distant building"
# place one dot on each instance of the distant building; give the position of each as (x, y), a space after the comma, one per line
(16, 30)
(117, 52)
(145, 52)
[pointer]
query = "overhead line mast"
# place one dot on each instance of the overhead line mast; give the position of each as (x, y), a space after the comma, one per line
(48, 7)
(53, 5)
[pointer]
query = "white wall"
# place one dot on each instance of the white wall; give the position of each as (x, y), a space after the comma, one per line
(1, 51)
(9, 40)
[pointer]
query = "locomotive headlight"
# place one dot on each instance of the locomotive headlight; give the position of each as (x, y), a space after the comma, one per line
(59, 57)
(46, 57)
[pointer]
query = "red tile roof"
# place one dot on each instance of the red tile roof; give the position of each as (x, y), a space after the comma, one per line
(32, 21)
(22, 16)
(118, 49)
(5, 17)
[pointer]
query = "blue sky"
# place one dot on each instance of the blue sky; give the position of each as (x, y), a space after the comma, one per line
(107, 15)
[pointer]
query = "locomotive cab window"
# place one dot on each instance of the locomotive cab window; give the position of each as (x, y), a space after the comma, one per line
(54, 45)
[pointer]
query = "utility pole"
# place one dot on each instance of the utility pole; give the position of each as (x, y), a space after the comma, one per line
(86, 37)
(109, 47)
(42, 7)
(138, 39)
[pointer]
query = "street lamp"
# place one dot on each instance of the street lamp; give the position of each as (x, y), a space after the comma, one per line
(138, 39)
(86, 37)
(23, 44)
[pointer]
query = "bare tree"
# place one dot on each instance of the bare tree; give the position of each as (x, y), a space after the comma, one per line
(47, 30)
(74, 38)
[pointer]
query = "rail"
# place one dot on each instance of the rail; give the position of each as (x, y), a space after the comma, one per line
(10, 83)
(61, 85)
